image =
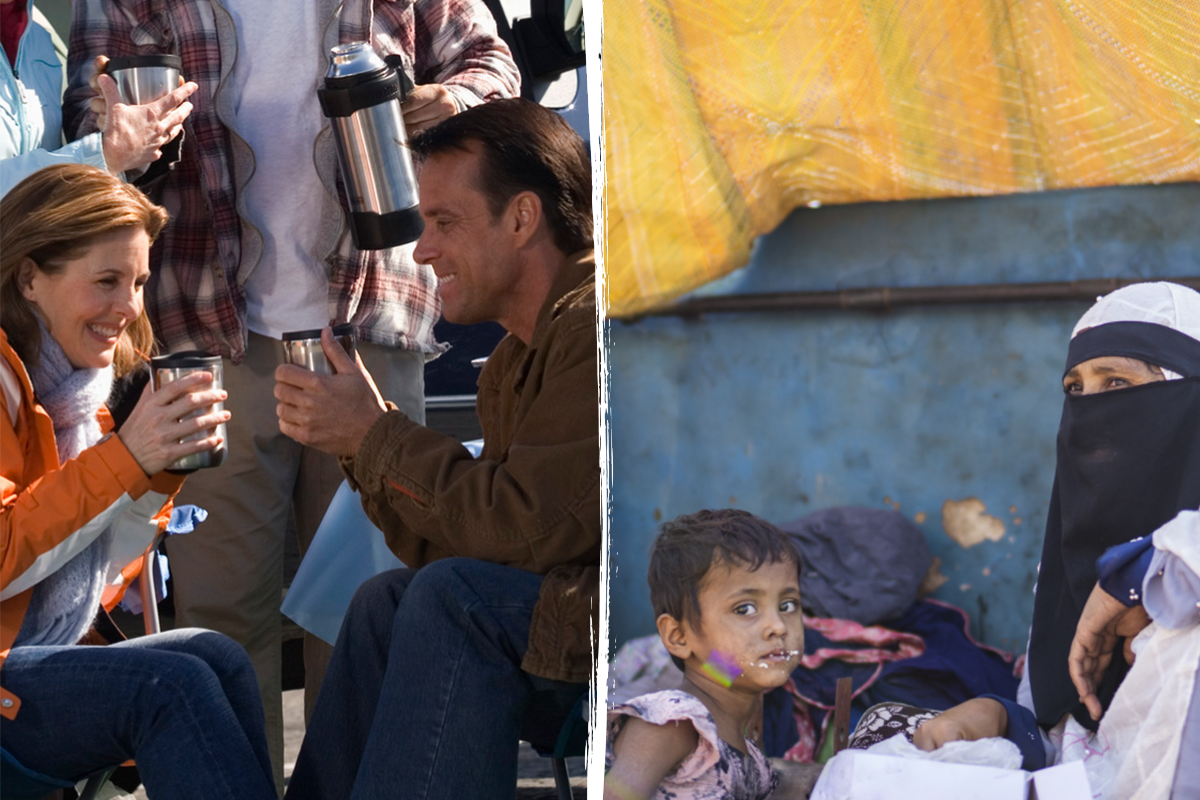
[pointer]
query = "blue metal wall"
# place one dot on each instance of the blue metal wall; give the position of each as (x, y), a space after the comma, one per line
(786, 413)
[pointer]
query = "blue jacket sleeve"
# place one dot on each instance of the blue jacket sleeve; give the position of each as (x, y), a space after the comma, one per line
(1023, 731)
(1122, 569)
(14, 169)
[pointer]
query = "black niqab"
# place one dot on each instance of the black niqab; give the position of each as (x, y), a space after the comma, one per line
(1128, 463)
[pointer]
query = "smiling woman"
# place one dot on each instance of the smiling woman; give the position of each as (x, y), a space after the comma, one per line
(87, 303)
(80, 502)
(105, 233)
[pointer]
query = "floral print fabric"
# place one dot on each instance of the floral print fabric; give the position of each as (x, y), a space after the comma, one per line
(714, 770)
(885, 720)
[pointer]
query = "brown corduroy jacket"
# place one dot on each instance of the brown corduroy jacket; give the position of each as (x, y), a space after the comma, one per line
(532, 498)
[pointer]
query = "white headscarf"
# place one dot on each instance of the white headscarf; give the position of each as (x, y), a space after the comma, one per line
(1169, 304)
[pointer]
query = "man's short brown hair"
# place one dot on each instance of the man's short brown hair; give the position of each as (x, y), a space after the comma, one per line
(525, 147)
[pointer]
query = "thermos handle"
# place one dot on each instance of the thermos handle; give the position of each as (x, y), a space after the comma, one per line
(343, 102)
(396, 62)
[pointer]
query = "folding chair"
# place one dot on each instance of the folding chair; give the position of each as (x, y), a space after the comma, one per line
(570, 741)
(21, 783)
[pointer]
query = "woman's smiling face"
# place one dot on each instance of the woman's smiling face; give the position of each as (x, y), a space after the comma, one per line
(1108, 373)
(88, 303)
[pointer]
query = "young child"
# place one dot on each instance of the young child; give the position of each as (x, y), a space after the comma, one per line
(726, 591)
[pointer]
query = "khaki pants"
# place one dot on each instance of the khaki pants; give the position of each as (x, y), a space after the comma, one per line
(228, 574)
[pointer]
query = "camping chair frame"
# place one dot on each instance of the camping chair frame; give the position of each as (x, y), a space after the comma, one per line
(146, 583)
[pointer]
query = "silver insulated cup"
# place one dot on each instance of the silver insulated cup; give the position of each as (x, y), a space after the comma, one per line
(361, 97)
(303, 348)
(165, 369)
(144, 79)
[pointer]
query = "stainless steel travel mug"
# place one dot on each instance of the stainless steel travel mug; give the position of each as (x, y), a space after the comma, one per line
(303, 348)
(144, 79)
(361, 97)
(165, 369)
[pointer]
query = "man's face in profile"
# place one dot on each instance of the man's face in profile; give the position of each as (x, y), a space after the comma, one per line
(469, 249)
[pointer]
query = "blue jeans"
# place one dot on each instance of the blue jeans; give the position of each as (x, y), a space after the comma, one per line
(424, 696)
(184, 704)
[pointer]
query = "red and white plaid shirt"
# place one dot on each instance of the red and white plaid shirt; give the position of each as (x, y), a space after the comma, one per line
(198, 265)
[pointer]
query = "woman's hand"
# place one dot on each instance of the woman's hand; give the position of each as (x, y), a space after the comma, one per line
(1103, 621)
(156, 427)
(981, 718)
(133, 136)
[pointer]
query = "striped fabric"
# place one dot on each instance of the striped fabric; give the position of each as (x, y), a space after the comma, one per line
(722, 116)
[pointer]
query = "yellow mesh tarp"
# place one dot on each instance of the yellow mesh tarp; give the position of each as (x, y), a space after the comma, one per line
(721, 116)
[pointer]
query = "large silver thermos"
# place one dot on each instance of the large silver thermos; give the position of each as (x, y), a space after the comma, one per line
(361, 97)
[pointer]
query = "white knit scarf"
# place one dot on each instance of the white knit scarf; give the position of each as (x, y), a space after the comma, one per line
(70, 396)
(64, 604)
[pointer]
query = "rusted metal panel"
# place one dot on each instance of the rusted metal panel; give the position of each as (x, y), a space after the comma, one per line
(947, 413)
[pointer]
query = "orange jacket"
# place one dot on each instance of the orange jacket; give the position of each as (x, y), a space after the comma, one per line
(48, 513)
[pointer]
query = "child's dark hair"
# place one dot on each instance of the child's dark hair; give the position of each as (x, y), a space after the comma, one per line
(688, 547)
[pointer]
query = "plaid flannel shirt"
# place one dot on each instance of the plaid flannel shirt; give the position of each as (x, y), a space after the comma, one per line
(200, 263)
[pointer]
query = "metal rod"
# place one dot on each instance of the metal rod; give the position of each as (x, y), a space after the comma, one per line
(888, 297)
(562, 779)
(148, 579)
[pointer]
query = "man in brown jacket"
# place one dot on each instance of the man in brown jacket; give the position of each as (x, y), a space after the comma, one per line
(439, 670)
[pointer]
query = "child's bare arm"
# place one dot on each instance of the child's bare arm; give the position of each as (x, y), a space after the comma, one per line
(644, 754)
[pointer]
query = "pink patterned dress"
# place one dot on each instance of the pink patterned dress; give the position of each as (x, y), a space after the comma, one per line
(715, 770)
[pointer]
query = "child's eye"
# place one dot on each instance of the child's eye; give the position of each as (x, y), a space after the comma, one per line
(788, 606)
(745, 609)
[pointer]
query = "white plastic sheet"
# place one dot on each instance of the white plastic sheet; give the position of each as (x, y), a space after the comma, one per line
(346, 550)
(860, 775)
(992, 752)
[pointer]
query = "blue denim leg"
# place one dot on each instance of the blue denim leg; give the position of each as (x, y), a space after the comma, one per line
(424, 696)
(184, 704)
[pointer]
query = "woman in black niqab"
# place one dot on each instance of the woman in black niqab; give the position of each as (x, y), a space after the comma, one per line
(1128, 462)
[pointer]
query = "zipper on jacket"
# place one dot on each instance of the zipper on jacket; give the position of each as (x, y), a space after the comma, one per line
(19, 89)
(22, 98)
(21, 42)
